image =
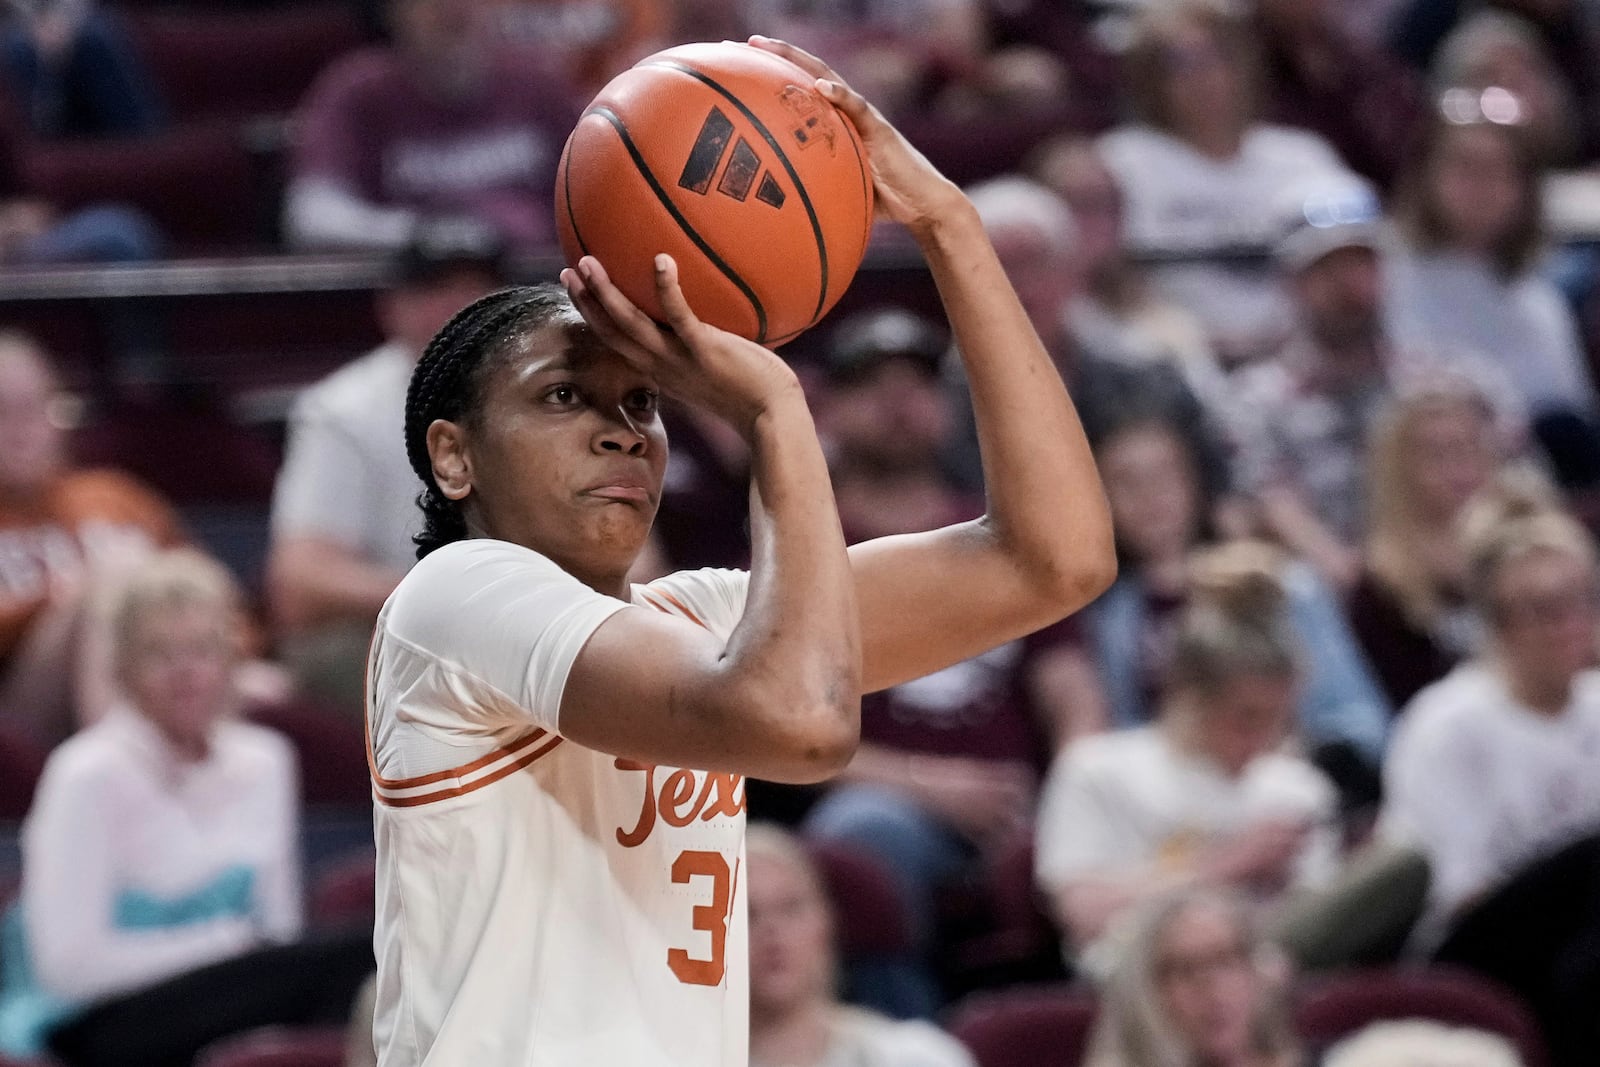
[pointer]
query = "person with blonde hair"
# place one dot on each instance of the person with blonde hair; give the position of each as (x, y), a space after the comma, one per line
(161, 882)
(1422, 1043)
(1206, 795)
(1195, 984)
(1433, 449)
(1494, 773)
(796, 1019)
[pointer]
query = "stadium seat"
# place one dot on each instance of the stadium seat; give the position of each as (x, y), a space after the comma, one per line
(238, 64)
(1025, 1026)
(331, 749)
(21, 761)
(1331, 1008)
(342, 893)
(199, 182)
(278, 1047)
(869, 917)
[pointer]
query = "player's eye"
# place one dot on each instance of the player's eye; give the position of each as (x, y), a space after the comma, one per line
(644, 401)
(562, 394)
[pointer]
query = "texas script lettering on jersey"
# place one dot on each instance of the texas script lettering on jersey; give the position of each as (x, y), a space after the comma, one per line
(676, 801)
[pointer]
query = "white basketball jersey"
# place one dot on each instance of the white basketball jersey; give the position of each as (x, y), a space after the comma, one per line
(541, 904)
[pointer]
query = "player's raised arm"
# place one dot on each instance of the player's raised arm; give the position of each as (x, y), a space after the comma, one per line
(1044, 547)
(781, 698)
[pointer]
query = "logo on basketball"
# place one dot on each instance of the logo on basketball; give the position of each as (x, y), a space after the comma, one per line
(711, 146)
(812, 117)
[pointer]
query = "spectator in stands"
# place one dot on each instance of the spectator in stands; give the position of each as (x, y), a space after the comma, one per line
(589, 42)
(1116, 314)
(1494, 48)
(1419, 1043)
(895, 52)
(1200, 173)
(1195, 984)
(1468, 212)
(796, 1019)
(1321, 77)
(74, 71)
(1038, 241)
(1431, 452)
(1566, 30)
(444, 122)
(344, 509)
(67, 537)
(948, 765)
(1495, 774)
(1300, 421)
(1161, 514)
(1205, 795)
(161, 856)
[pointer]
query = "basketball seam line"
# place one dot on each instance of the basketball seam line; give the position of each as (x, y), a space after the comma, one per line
(566, 189)
(794, 176)
(677, 216)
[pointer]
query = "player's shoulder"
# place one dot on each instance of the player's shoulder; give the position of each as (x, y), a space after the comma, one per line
(712, 596)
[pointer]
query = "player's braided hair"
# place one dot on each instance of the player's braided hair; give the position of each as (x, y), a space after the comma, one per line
(448, 384)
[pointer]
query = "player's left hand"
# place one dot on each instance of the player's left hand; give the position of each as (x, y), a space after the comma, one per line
(909, 189)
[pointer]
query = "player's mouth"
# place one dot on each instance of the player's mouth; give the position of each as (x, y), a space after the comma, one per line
(621, 492)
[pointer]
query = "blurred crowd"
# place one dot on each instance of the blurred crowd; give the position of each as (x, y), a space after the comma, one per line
(1321, 277)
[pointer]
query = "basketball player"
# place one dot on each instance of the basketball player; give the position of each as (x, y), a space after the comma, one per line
(557, 755)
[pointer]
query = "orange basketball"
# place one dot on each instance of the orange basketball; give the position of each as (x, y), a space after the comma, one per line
(728, 159)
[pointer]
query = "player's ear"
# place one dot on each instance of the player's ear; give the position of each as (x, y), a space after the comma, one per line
(452, 464)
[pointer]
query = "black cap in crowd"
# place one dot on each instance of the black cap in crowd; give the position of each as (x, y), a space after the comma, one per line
(440, 248)
(868, 339)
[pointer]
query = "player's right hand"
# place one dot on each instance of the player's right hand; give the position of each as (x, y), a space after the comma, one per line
(734, 378)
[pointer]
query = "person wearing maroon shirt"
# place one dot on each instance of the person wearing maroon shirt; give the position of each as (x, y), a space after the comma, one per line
(445, 122)
(949, 765)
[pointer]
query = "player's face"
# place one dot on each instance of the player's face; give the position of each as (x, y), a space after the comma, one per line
(791, 956)
(176, 668)
(566, 453)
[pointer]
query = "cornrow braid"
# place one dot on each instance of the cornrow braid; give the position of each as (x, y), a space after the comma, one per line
(447, 384)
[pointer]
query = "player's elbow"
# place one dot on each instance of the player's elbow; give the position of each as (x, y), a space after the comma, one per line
(820, 736)
(1069, 581)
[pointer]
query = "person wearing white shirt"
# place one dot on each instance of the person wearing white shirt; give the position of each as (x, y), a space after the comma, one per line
(1495, 774)
(161, 889)
(1205, 795)
(344, 506)
(1201, 178)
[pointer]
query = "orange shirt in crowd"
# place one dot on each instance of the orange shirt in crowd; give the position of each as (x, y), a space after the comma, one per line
(84, 518)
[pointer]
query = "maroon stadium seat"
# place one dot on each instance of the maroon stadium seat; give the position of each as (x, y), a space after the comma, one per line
(278, 1047)
(869, 916)
(1331, 1008)
(237, 64)
(331, 748)
(343, 893)
(1026, 1026)
(199, 182)
(21, 762)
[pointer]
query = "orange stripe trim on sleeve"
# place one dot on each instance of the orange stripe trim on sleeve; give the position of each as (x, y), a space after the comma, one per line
(463, 790)
(684, 611)
(456, 772)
